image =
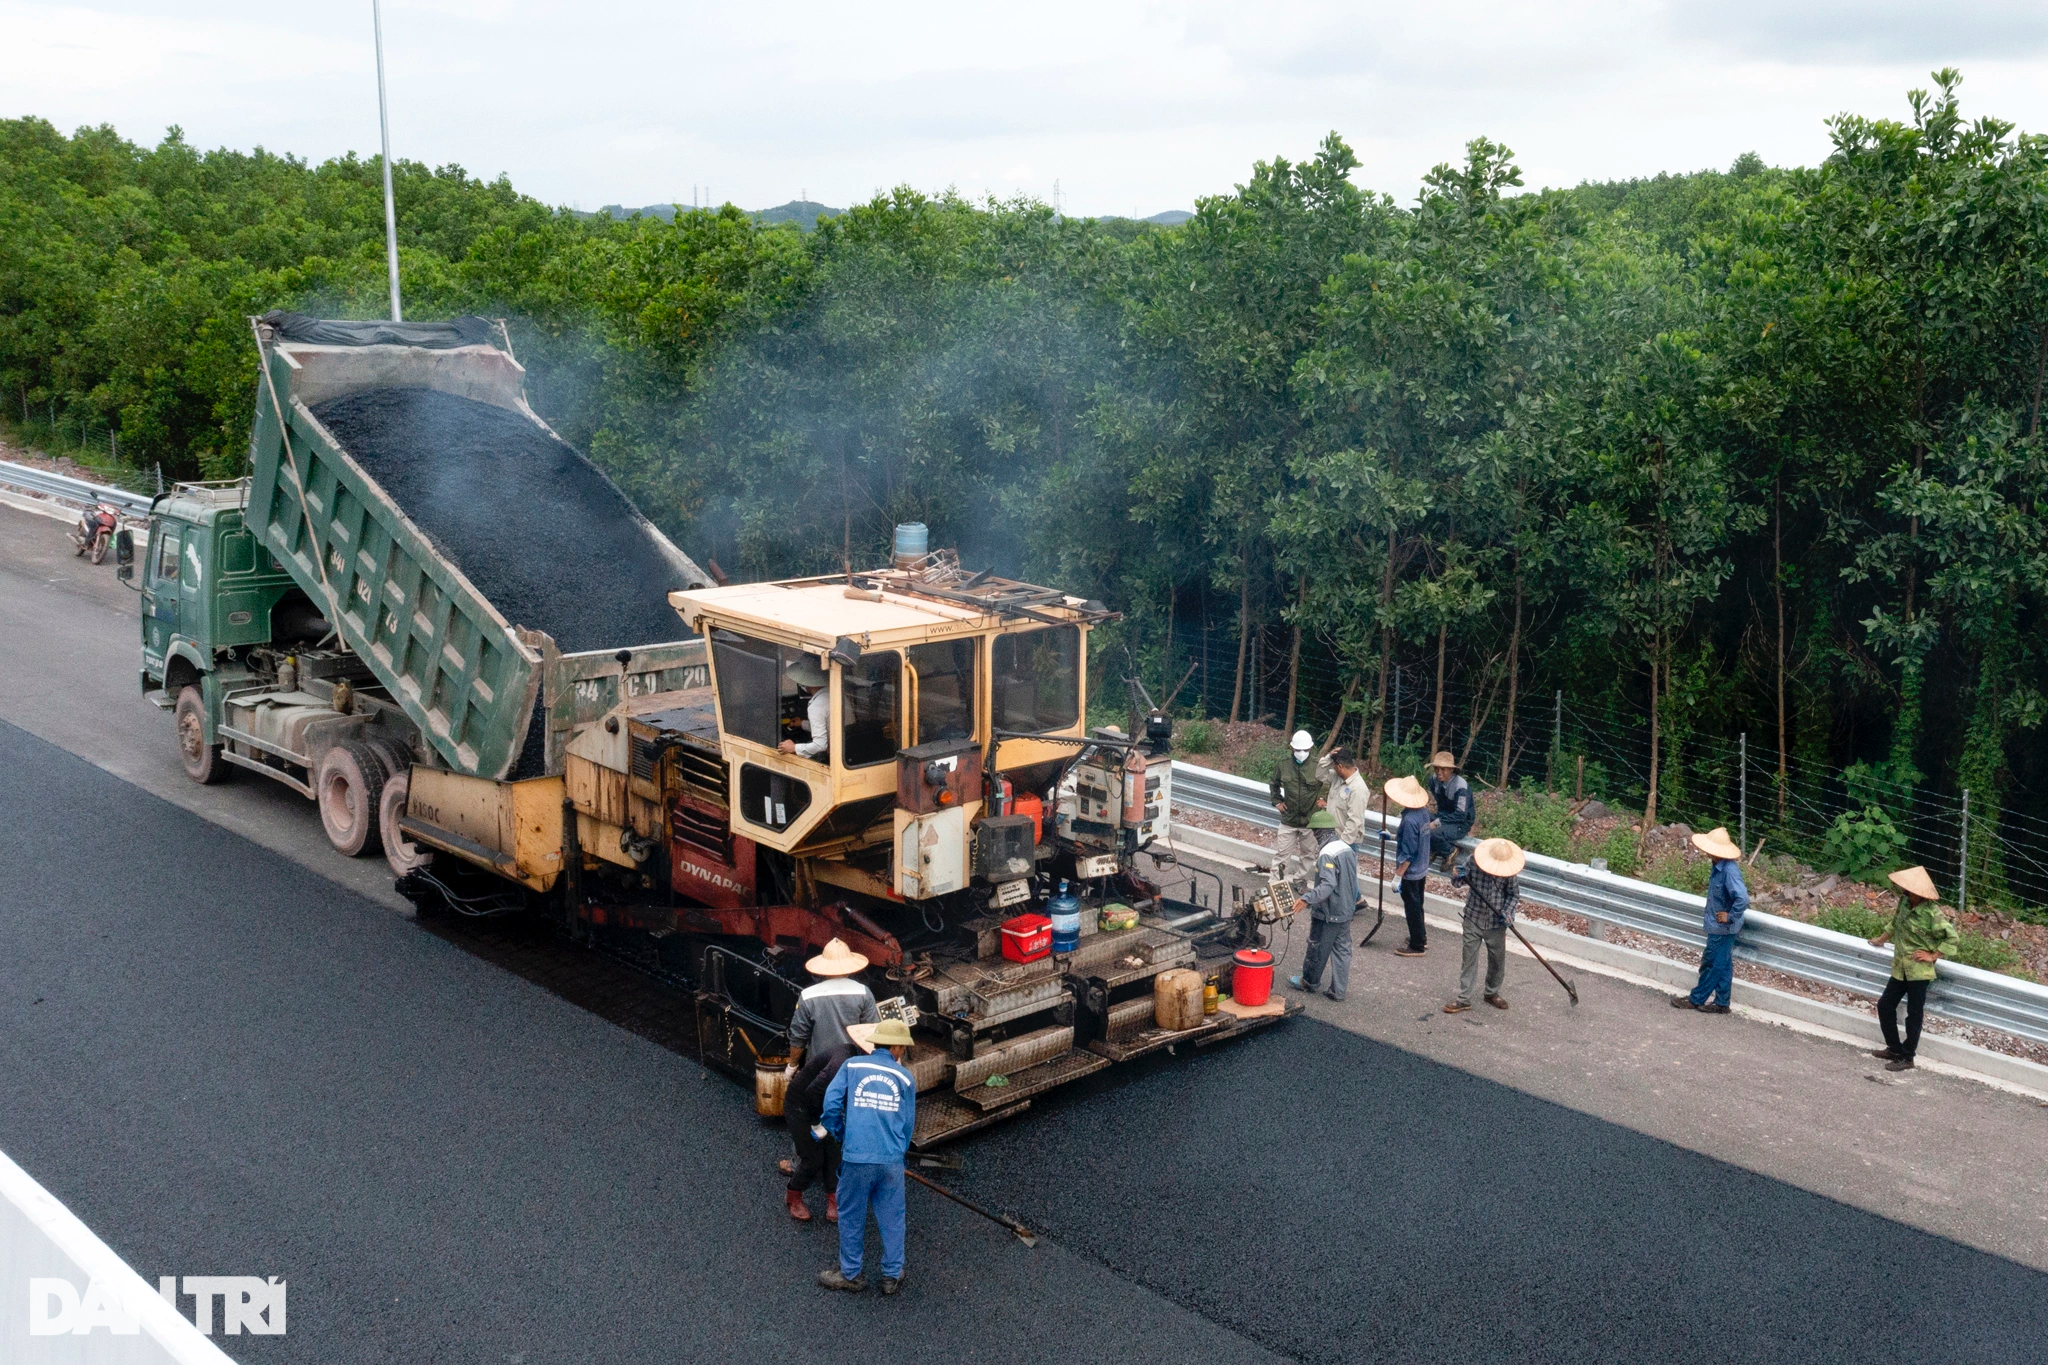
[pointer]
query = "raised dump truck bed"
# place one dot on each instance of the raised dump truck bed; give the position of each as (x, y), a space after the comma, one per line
(308, 624)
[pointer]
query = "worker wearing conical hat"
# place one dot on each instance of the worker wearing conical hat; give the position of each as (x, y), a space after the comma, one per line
(1493, 893)
(1452, 798)
(1411, 858)
(1920, 936)
(826, 1010)
(871, 1108)
(1727, 902)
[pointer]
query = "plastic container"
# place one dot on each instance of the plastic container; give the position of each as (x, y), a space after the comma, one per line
(1065, 912)
(1028, 804)
(913, 542)
(1177, 999)
(1251, 982)
(1027, 938)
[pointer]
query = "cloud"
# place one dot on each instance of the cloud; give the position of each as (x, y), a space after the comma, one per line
(1829, 32)
(1134, 106)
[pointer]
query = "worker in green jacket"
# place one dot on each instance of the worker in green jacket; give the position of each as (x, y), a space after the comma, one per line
(1921, 935)
(1297, 793)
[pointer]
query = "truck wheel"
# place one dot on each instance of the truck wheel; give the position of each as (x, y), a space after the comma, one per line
(402, 853)
(348, 786)
(202, 760)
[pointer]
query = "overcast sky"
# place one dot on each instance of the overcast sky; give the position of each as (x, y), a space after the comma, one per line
(1132, 108)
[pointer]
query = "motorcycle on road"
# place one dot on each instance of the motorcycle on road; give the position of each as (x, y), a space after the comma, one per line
(94, 533)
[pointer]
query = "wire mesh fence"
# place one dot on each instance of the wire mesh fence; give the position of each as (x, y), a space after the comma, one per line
(87, 443)
(1979, 851)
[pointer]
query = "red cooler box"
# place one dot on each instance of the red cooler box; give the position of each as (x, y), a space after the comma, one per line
(1027, 938)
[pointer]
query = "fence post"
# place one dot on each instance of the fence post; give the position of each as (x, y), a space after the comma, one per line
(1397, 706)
(1742, 791)
(1963, 857)
(1557, 722)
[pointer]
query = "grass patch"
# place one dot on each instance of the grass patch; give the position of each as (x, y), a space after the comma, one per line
(1678, 872)
(1262, 760)
(1195, 737)
(1617, 846)
(1540, 821)
(1853, 920)
(1974, 950)
(1992, 955)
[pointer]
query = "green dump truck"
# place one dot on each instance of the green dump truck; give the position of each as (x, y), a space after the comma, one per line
(300, 625)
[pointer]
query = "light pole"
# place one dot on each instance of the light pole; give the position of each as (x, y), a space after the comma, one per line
(384, 126)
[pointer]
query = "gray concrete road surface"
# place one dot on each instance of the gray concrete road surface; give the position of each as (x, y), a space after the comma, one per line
(70, 658)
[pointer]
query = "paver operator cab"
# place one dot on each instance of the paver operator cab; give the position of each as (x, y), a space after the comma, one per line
(898, 758)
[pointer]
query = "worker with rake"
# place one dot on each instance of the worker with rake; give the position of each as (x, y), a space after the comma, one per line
(1411, 855)
(1493, 894)
(1920, 936)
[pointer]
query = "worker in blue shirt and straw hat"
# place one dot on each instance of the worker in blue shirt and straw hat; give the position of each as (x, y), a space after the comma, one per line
(1727, 902)
(872, 1110)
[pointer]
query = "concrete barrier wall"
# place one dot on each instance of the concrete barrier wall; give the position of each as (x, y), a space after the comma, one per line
(56, 1276)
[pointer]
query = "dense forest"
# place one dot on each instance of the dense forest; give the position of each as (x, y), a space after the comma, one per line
(1626, 470)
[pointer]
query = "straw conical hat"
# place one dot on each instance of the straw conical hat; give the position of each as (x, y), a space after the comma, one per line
(1914, 881)
(836, 960)
(1406, 791)
(806, 673)
(1715, 843)
(1442, 759)
(888, 1033)
(863, 1035)
(1501, 857)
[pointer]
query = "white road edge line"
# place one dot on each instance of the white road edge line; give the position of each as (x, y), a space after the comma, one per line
(77, 1243)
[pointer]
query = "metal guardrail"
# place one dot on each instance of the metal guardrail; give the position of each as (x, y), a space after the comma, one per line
(1968, 994)
(77, 491)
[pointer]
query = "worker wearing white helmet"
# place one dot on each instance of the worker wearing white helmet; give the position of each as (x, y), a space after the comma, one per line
(1297, 793)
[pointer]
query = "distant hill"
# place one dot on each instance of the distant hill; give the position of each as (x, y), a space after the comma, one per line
(804, 213)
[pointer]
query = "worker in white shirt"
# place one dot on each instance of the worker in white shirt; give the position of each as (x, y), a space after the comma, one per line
(810, 682)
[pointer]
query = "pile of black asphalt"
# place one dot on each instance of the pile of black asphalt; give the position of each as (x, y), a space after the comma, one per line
(225, 1064)
(1337, 1199)
(542, 533)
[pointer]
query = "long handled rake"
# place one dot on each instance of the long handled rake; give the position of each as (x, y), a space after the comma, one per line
(1569, 988)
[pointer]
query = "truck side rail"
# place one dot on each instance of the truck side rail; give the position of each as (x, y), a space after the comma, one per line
(457, 668)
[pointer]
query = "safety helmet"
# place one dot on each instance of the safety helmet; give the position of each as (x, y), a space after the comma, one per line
(1302, 742)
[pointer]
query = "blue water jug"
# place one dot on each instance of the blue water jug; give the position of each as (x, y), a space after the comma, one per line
(1065, 913)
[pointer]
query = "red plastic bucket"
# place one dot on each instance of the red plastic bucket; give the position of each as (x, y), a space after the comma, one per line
(1251, 981)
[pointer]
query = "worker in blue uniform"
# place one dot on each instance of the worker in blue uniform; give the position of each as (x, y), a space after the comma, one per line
(872, 1110)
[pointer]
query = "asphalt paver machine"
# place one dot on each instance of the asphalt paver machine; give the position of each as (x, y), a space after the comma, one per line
(958, 786)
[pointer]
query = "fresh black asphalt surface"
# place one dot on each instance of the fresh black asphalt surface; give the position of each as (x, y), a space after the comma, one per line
(227, 1065)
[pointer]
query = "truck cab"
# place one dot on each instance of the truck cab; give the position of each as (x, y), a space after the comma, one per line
(209, 592)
